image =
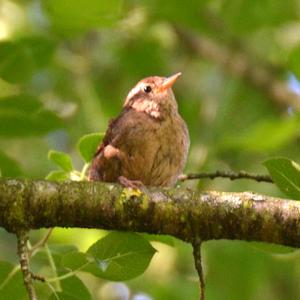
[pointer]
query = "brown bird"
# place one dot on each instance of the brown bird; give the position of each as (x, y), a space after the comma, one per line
(147, 144)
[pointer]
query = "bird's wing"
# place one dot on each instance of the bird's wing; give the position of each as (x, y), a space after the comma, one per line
(108, 169)
(107, 137)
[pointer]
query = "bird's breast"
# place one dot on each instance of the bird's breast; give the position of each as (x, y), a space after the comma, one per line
(159, 151)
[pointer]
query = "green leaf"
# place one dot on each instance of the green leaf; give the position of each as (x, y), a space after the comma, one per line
(40, 49)
(164, 239)
(23, 102)
(15, 63)
(61, 159)
(139, 49)
(286, 175)
(20, 124)
(72, 16)
(118, 256)
(73, 286)
(8, 166)
(77, 261)
(41, 259)
(73, 289)
(272, 248)
(121, 255)
(24, 115)
(178, 12)
(19, 60)
(60, 250)
(58, 175)
(87, 145)
(12, 287)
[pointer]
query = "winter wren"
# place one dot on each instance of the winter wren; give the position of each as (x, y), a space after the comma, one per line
(147, 144)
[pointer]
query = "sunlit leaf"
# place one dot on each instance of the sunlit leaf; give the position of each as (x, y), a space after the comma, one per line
(58, 175)
(61, 159)
(87, 145)
(164, 239)
(286, 175)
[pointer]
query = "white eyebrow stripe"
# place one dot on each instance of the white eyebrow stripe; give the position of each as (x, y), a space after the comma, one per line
(134, 91)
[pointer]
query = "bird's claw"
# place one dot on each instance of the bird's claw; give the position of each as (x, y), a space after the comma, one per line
(134, 184)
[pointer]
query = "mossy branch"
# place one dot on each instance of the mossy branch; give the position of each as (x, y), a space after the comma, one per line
(182, 213)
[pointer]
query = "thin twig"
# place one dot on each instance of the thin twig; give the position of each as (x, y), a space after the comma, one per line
(53, 267)
(198, 266)
(227, 174)
(22, 238)
(38, 277)
(41, 243)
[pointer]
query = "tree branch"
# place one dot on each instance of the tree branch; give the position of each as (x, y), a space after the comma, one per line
(41, 243)
(22, 238)
(182, 213)
(198, 265)
(227, 174)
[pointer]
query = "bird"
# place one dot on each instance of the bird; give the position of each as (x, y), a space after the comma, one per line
(148, 143)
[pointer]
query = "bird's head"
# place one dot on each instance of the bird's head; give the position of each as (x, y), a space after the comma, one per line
(153, 95)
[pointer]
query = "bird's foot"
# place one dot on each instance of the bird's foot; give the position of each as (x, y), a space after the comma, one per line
(134, 184)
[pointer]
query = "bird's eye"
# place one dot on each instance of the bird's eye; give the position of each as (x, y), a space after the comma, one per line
(147, 89)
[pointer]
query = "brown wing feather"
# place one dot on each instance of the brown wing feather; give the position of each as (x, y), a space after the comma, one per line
(102, 168)
(107, 137)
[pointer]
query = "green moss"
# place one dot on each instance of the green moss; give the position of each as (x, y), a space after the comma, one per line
(183, 217)
(145, 202)
(246, 204)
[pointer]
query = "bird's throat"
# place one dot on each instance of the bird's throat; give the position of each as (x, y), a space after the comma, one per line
(149, 107)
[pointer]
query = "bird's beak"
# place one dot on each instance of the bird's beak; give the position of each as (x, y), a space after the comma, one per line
(169, 81)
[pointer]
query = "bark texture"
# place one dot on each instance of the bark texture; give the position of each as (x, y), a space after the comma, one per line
(182, 213)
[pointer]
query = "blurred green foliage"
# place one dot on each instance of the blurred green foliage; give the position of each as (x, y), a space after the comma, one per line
(65, 69)
(286, 175)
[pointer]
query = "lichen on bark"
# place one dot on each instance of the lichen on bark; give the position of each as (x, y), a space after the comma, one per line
(180, 212)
